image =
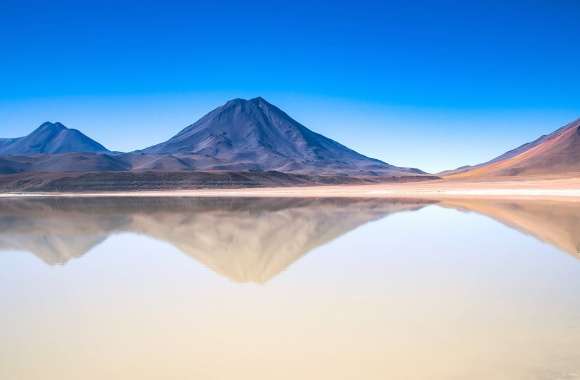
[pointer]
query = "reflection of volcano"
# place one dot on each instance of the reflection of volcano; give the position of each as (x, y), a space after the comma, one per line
(242, 239)
(556, 223)
(55, 230)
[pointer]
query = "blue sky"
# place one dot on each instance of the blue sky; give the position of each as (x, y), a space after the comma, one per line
(432, 84)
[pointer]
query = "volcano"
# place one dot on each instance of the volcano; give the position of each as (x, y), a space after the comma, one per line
(256, 135)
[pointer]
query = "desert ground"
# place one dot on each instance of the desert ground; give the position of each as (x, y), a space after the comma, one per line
(513, 188)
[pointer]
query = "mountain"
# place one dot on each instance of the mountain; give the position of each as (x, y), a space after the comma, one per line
(256, 135)
(556, 154)
(50, 138)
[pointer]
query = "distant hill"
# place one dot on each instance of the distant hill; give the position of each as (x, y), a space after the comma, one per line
(556, 154)
(256, 135)
(50, 138)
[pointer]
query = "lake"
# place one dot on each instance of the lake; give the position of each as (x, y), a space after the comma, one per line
(230, 288)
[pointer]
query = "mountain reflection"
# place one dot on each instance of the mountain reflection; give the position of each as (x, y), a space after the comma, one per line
(553, 222)
(246, 240)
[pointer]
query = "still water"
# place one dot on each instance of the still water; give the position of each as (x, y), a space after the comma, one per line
(288, 289)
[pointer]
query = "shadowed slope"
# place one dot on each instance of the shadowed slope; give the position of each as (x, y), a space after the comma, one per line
(62, 163)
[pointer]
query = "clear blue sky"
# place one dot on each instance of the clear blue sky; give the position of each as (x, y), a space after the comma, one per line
(433, 84)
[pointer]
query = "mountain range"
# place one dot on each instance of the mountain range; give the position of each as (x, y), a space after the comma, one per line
(256, 139)
(240, 136)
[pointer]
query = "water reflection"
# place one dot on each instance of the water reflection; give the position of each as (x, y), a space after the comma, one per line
(553, 222)
(431, 294)
(246, 240)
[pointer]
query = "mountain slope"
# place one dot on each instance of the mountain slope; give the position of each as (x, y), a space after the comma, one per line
(63, 163)
(255, 135)
(50, 138)
(556, 154)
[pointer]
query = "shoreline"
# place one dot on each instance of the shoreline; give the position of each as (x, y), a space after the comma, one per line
(537, 189)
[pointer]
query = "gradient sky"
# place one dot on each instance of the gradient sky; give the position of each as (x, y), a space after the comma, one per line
(430, 84)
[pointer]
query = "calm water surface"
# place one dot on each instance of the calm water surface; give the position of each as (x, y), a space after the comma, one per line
(288, 289)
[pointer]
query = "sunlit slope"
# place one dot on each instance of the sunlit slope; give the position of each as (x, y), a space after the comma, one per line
(556, 154)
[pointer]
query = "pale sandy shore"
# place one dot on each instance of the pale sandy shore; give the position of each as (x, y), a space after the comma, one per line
(568, 189)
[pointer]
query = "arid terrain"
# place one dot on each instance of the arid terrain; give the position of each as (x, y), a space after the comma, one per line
(538, 188)
(557, 153)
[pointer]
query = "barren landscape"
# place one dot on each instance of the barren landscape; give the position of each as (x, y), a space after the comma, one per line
(253, 148)
(540, 188)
